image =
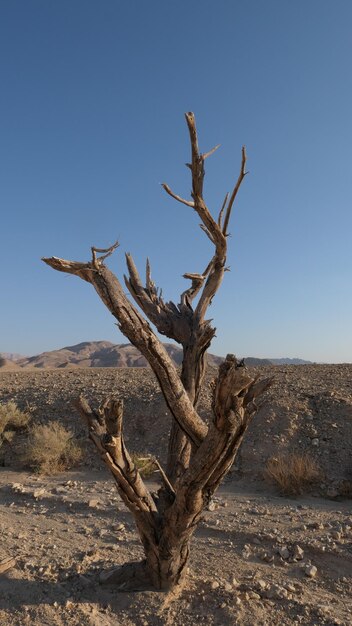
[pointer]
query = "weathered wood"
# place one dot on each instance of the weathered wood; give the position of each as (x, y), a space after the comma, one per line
(199, 456)
(7, 563)
(138, 331)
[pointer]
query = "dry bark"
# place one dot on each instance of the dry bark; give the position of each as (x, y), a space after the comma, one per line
(6, 564)
(198, 455)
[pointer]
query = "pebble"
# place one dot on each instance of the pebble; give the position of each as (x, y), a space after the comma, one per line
(268, 558)
(262, 584)
(310, 571)
(252, 595)
(298, 553)
(38, 493)
(93, 503)
(284, 552)
(18, 488)
(276, 592)
(336, 535)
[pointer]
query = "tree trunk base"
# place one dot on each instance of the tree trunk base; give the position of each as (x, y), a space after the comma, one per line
(128, 577)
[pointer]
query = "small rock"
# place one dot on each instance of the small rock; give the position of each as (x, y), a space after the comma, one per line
(284, 552)
(276, 592)
(252, 595)
(59, 490)
(215, 584)
(310, 571)
(93, 503)
(298, 553)
(268, 558)
(336, 535)
(18, 488)
(38, 493)
(262, 584)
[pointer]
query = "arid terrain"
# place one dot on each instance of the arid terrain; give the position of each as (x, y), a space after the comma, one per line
(258, 558)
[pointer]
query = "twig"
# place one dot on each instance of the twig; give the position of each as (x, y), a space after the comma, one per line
(7, 563)
(176, 197)
(208, 154)
(108, 251)
(163, 475)
(242, 174)
(222, 209)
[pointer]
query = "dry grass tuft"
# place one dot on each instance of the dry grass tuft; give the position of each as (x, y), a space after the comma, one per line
(292, 473)
(12, 418)
(50, 448)
(144, 464)
(345, 489)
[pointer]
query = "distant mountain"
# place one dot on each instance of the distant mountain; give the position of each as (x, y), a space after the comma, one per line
(99, 354)
(286, 361)
(107, 354)
(11, 356)
(7, 364)
(252, 361)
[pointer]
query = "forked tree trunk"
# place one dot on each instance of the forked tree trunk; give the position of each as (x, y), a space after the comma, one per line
(199, 454)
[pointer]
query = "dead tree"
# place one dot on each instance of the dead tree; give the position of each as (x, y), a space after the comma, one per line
(199, 454)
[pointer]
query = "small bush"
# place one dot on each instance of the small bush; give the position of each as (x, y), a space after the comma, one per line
(293, 473)
(51, 449)
(11, 419)
(144, 464)
(345, 489)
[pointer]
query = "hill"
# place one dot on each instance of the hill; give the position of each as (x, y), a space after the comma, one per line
(287, 361)
(107, 354)
(11, 356)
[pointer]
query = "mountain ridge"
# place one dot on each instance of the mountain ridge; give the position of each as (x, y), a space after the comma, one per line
(106, 354)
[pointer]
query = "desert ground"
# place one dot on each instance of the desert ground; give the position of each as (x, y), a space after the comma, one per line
(258, 557)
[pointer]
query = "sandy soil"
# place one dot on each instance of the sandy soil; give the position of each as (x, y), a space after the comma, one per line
(257, 558)
(251, 558)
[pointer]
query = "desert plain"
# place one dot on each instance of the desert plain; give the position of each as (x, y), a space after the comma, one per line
(258, 557)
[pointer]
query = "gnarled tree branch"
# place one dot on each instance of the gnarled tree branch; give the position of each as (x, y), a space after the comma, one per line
(140, 335)
(198, 456)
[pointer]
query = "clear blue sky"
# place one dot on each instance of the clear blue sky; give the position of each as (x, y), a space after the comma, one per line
(91, 121)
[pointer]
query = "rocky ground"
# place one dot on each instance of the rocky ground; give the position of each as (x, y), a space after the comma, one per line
(257, 558)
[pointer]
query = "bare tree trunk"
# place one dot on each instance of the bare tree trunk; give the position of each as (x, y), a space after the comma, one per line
(199, 455)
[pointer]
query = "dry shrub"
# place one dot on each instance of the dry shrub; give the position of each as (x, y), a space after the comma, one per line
(345, 488)
(51, 449)
(11, 419)
(145, 464)
(293, 473)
